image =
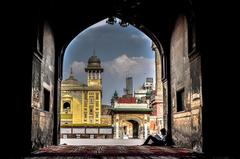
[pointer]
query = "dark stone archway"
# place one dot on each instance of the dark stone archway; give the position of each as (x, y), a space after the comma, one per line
(64, 21)
(69, 18)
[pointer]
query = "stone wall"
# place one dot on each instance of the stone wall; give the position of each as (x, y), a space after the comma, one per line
(185, 75)
(43, 88)
(159, 88)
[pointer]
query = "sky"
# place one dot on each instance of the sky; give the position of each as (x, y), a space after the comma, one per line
(123, 51)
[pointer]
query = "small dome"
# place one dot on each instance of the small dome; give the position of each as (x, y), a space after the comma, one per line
(71, 79)
(94, 61)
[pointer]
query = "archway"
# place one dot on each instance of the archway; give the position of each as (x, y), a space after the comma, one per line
(135, 128)
(166, 70)
(80, 120)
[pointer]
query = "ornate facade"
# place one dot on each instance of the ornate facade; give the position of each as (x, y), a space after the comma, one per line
(81, 103)
(131, 119)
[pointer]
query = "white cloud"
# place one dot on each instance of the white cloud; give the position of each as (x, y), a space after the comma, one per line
(123, 65)
(78, 67)
(65, 74)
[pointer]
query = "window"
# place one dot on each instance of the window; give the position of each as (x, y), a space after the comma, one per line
(85, 103)
(46, 97)
(180, 100)
(91, 99)
(85, 95)
(90, 75)
(97, 104)
(96, 115)
(97, 96)
(66, 105)
(91, 109)
(91, 121)
(85, 115)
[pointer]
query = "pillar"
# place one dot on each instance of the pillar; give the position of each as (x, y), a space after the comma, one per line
(145, 127)
(117, 126)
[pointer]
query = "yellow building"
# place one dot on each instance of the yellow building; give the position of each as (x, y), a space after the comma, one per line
(81, 103)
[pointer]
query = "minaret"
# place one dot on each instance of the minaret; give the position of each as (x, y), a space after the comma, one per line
(71, 76)
(94, 70)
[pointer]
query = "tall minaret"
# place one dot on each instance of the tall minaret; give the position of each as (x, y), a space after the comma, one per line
(71, 76)
(94, 70)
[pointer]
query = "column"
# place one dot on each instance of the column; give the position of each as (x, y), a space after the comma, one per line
(95, 75)
(117, 126)
(159, 85)
(99, 75)
(145, 127)
(90, 74)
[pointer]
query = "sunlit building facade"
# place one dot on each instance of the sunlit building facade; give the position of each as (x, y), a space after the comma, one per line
(81, 103)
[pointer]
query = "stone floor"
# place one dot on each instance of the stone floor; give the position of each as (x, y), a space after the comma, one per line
(126, 142)
(114, 151)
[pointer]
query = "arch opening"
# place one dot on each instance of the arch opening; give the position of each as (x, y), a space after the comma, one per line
(93, 69)
(93, 75)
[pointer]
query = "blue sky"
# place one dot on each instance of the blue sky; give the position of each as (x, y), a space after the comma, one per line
(123, 51)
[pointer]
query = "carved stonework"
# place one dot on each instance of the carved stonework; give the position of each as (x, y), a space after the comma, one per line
(36, 82)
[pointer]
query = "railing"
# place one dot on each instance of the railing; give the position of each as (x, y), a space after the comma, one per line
(86, 132)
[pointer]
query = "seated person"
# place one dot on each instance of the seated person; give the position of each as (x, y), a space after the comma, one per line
(158, 139)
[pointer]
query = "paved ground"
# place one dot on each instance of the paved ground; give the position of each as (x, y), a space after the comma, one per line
(114, 151)
(126, 142)
(111, 148)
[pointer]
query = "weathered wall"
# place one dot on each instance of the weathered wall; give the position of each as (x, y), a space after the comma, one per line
(159, 88)
(43, 78)
(196, 102)
(185, 74)
(165, 105)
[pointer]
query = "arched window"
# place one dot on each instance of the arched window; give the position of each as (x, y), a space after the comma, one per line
(66, 105)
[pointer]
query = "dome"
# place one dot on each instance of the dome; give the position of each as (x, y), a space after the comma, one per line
(94, 61)
(71, 80)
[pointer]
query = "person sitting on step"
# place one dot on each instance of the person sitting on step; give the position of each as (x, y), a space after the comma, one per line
(158, 139)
